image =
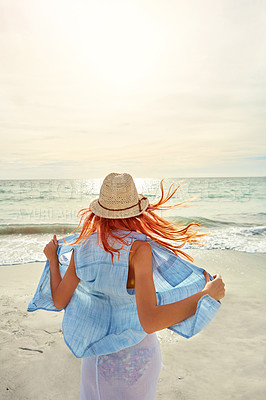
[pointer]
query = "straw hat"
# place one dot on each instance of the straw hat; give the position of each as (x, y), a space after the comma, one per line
(119, 198)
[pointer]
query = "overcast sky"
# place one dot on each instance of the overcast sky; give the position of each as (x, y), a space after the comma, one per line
(156, 88)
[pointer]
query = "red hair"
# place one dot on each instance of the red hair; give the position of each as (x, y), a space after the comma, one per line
(148, 223)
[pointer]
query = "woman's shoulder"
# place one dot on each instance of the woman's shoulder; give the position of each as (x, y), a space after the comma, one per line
(140, 249)
(143, 245)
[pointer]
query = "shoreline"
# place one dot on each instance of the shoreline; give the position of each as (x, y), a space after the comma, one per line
(194, 252)
(225, 361)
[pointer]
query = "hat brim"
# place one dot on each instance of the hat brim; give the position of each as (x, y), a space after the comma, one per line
(131, 212)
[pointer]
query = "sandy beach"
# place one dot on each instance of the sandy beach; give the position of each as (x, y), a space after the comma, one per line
(224, 361)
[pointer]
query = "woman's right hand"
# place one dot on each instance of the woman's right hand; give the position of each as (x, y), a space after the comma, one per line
(215, 288)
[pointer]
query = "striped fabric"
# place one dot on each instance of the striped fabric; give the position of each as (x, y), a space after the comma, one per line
(101, 317)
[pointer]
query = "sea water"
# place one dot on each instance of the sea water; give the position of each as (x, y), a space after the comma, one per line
(231, 210)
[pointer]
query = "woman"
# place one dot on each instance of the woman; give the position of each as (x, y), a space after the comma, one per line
(123, 282)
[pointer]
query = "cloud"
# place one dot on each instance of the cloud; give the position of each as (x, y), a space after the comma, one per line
(198, 108)
(59, 164)
(257, 158)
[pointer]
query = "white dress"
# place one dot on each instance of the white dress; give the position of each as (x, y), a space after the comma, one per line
(131, 373)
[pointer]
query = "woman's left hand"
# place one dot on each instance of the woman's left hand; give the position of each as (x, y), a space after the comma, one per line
(50, 249)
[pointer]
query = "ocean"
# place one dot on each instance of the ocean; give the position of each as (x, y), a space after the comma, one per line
(232, 210)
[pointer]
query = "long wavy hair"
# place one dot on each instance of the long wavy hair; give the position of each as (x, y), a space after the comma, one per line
(149, 223)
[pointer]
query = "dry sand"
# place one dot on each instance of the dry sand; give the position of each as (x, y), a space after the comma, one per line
(224, 361)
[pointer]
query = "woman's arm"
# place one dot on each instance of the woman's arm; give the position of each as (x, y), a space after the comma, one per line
(61, 289)
(153, 317)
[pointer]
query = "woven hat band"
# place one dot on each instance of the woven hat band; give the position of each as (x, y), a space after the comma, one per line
(122, 209)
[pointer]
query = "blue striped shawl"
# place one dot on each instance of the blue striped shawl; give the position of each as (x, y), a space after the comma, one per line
(101, 317)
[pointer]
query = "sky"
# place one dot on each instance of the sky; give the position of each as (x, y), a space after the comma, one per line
(153, 88)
